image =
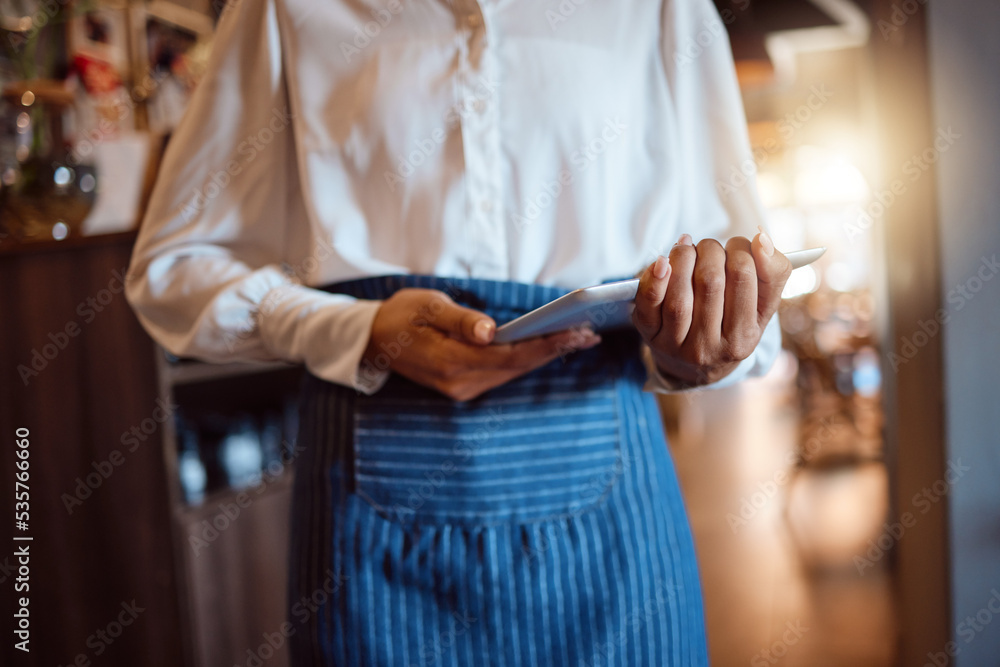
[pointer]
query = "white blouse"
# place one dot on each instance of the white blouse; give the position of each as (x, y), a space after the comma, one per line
(559, 142)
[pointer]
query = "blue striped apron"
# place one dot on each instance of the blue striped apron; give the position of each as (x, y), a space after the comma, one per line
(540, 524)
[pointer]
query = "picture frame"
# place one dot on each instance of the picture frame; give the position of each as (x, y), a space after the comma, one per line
(102, 32)
(170, 47)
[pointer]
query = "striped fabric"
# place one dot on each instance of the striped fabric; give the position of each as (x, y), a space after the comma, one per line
(540, 524)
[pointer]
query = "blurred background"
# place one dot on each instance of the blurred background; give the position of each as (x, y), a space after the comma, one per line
(845, 507)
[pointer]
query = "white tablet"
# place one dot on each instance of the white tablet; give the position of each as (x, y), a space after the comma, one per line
(603, 307)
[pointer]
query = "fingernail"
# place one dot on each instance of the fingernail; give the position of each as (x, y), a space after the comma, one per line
(483, 330)
(685, 239)
(660, 267)
(766, 244)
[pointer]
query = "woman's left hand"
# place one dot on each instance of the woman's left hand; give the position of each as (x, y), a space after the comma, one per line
(704, 311)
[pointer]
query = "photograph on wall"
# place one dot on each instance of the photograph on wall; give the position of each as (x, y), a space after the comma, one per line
(172, 45)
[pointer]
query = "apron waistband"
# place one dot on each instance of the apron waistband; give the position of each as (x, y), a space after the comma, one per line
(501, 300)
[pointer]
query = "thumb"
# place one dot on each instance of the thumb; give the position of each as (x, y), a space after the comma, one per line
(773, 269)
(467, 324)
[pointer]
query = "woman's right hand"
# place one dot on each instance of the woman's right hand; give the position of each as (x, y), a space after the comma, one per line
(423, 335)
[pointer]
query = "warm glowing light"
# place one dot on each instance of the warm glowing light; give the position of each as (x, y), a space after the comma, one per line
(773, 190)
(842, 277)
(802, 281)
(825, 177)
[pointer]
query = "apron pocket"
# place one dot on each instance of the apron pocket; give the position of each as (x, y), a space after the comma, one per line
(541, 447)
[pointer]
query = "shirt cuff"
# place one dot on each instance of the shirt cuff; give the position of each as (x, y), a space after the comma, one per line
(327, 332)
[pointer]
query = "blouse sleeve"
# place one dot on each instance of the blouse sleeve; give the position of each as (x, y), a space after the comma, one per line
(713, 144)
(212, 275)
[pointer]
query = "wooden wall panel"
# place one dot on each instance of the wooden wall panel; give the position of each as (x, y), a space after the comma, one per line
(915, 426)
(115, 547)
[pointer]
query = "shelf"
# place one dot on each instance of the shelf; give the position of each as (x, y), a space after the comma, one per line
(192, 514)
(12, 246)
(191, 372)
